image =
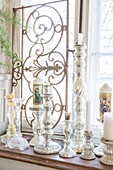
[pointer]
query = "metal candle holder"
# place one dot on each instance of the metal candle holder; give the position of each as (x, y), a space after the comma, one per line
(37, 125)
(79, 97)
(88, 147)
(107, 159)
(99, 150)
(47, 146)
(67, 151)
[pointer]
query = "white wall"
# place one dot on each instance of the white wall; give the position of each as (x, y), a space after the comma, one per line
(5, 88)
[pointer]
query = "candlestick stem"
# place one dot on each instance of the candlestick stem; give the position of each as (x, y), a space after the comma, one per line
(37, 125)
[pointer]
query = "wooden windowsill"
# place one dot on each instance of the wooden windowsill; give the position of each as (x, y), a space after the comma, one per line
(53, 161)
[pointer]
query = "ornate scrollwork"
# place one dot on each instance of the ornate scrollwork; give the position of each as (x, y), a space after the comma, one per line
(43, 57)
(44, 29)
(57, 68)
(17, 70)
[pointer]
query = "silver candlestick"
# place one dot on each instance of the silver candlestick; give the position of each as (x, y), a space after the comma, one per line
(37, 125)
(99, 150)
(79, 97)
(47, 146)
(88, 147)
(107, 159)
(67, 151)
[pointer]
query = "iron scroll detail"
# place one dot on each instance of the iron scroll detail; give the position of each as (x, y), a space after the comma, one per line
(45, 33)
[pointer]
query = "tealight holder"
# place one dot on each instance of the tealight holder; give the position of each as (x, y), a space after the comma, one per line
(107, 159)
(99, 150)
(67, 151)
(37, 125)
(88, 147)
(47, 146)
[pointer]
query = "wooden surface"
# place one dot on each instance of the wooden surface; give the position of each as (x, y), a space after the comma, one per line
(53, 161)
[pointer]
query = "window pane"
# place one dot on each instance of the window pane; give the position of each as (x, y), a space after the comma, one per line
(106, 44)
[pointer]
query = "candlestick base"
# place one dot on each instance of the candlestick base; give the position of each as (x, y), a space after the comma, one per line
(35, 139)
(17, 142)
(45, 148)
(67, 153)
(107, 159)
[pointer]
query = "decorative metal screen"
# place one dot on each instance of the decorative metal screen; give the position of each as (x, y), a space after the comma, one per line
(43, 46)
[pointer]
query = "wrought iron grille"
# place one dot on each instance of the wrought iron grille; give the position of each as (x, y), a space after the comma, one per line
(44, 44)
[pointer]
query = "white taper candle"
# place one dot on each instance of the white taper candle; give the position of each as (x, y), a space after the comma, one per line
(88, 112)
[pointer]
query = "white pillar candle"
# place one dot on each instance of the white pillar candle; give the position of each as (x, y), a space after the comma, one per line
(88, 110)
(80, 38)
(108, 126)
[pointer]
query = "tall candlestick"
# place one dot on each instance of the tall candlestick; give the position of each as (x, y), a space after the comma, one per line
(88, 111)
(79, 97)
(108, 126)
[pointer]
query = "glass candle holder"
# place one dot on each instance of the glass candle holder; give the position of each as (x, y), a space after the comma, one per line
(11, 130)
(17, 141)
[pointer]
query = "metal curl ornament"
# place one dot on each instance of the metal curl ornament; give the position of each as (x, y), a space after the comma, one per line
(52, 28)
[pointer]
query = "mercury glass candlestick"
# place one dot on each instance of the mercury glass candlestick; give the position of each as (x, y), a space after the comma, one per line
(99, 150)
(37, 125)
(11, 130)
(79, 97)
(67, 151)
(17, 141)
(47, 146)
(107, 159)
(88, 147)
